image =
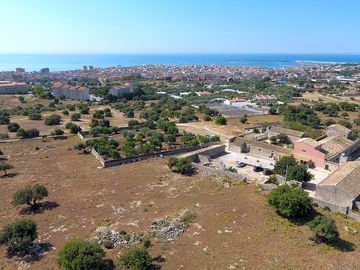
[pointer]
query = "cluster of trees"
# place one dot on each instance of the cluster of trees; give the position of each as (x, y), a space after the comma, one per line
(303, 114)
(293, 202)
(28, 133)
(13, 127)
(108, 148)
(288, 167)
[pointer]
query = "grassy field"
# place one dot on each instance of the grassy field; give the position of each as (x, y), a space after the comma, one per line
(234, 227)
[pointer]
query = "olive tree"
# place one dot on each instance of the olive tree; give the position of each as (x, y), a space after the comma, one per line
(291, 202)
(18, 236)
(5, 167)
(81, 255)
(324, 228)
(135, 258)
(30, 195)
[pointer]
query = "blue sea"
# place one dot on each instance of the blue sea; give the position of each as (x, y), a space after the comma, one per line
(60, 62)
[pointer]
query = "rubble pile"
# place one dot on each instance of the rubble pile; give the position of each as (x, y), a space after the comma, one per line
(105, 235)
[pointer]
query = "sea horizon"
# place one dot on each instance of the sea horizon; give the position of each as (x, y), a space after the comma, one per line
(74, 61)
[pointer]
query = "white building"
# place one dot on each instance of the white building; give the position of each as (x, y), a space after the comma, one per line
(7, 87)
(120, 90)
(61, 90)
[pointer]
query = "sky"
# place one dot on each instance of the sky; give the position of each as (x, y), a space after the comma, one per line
(180, 26)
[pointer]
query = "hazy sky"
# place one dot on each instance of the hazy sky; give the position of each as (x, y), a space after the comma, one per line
(180, 26)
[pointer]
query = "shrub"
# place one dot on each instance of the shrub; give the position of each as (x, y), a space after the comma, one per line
(220, 120)
(207, 117)
(4, 167)
(4, 118)
(13, 127)
(291, 202)
(65, 112)
(57, 132)
(81, 255)
(53, 120)
(181, 165)
(35, 116)
(324, 228)
(135, 258)
(18, 236)
(243, 119)
(30, 195)
(29, 133)
(74, 129)
(75, 117)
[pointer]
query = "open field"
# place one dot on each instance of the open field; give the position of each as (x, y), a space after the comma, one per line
(233, 128)
(315, 96)
(234, 228)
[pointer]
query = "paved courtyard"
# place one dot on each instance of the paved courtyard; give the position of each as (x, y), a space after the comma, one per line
(229, 160)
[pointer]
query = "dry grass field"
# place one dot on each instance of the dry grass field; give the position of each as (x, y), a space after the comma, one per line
(234, 227)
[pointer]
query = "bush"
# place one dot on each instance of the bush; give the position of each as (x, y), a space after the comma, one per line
(30, 195)
(13, 127)
(35, 116)
(57, 132)
(81, 255)
(65, 112)
(324, 228)
(181, 165)
(18, 236)
(4, 167)
(220, 120)
(4, 118)
(135, 258)
(75, 117)
(207, 117)
(291, 202)
(53, 120)
(74, 129)
(29, 133)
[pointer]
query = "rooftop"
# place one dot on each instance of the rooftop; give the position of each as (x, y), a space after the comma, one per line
(240, 141)
(286, 131)
(346, 178)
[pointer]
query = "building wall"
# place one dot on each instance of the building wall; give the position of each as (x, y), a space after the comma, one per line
(255, 150)
(333, 194)
(71, 94)
(16, 89)
(302, 149)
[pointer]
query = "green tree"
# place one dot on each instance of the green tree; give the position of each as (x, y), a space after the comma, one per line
(291, 202)
(75, 117)
(30, 195)
(299, 173)
(5, 167)
(243, 119)
(53, 120)
(35, 116)
(13, 127)
(181, 165)
(284, 164)
(81, 255)
(220, 120)
(18, 236)
(324, 228)
(135, 258)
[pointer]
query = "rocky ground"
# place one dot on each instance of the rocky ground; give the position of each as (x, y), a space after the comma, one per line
(228, 227)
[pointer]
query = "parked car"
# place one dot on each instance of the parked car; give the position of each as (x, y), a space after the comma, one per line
(240, 164)
(258, 169)
(267, 172)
